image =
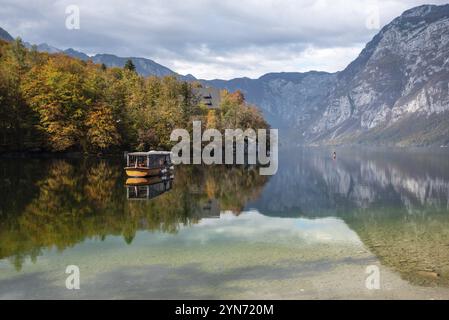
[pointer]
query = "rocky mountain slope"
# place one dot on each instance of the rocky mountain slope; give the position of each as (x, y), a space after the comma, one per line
(290, 101)
(396, 92)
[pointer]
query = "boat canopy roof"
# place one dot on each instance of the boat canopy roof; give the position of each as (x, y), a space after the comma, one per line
(145, 154)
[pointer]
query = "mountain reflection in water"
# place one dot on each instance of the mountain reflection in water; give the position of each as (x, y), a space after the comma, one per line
(397, 202)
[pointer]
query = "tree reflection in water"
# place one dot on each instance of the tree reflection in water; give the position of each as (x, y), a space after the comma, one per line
(396, 201)
(59, 203)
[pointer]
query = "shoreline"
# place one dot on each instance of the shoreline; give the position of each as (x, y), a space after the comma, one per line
(63, 155)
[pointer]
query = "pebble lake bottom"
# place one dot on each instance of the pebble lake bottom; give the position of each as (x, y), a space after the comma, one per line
(310, 232)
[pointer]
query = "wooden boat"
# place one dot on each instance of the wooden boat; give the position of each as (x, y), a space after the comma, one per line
(145, 181)
(148, 164)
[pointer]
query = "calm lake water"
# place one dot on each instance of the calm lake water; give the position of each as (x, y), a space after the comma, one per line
(309, 232)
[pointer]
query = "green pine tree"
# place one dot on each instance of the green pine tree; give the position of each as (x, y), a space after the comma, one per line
(129, 65)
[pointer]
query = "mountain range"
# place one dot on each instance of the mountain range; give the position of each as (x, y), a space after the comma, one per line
(145, 67)
(395, 93)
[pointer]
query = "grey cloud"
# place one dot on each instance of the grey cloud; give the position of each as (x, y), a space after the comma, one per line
(198, 32)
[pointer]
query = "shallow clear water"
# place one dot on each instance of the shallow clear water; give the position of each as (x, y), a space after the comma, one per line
(311, 231)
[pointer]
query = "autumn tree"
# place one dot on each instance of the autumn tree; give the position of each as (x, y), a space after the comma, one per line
(102, 132)
(55, 91)
(18, 123)
(59, 103)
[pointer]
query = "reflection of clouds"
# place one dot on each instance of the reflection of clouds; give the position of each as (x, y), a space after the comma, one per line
(254, 227)
(329, 229)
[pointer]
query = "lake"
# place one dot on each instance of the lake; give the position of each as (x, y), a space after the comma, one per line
(319, 229)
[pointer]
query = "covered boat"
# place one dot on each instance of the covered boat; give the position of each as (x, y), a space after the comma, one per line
(148, 164)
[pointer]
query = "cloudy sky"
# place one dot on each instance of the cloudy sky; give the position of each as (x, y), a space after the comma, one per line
(211, 39)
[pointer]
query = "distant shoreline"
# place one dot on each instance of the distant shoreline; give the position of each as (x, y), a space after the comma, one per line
(63, 155)
(119, 154)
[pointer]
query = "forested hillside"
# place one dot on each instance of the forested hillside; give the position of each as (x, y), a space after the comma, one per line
(53, 102)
